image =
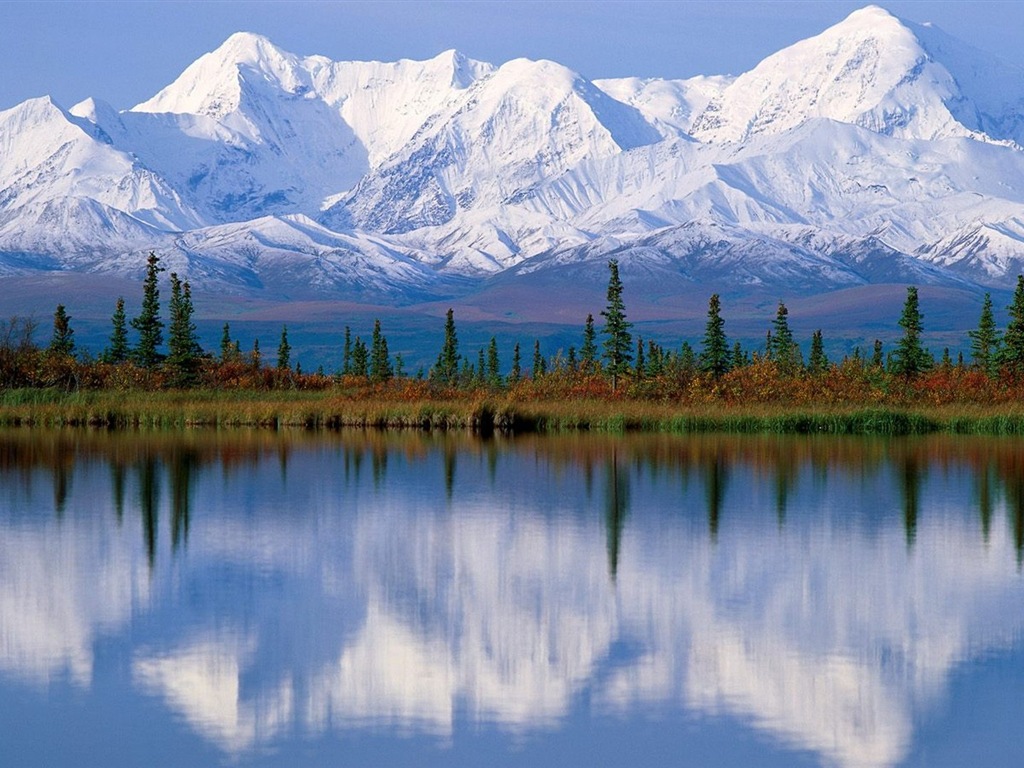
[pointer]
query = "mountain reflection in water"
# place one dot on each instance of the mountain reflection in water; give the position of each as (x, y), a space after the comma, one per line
(821, 591)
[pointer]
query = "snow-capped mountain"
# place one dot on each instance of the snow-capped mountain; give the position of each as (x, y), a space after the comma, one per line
(877, 151)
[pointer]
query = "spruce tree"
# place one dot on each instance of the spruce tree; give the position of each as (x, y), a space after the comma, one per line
(985, 341)
(818, 362)
(517, 368)
(539, 367)
(182, 342)
(714, 354)
(493, 364)
(618, 342)
(446, 370)
(118, 351)
(640, 369)
(380, 359)
(227, 348)
(1012, 357)
(687, 358)
(480, 374)
(877, 355)
(782, 346)
(284, 351)
(148, 323)
(739, 357)
(62, 344)
(910, 358)
(360, 358)
(588, 352)
(256, 357)
(346, 353)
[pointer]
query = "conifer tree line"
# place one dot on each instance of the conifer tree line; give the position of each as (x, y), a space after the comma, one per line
(610, 353)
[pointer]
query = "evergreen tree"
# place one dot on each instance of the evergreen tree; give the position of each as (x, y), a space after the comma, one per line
(739, 357)
(517, 368)
(493, 364)
(782, 347)
(148, 323)
(62, 344)
(227, 348)
(480, 373)
(687, 357)
(399, 365)
(284, 351)
(877, 356)
(380, 359)
(446, 370)
(346, 353)
(256, 358)
(910, 358)
(641, 361)
(571, 361)
(360, 358)
(588, 352)
(818, 362)
(655, 359)
(539, 367)
(714, 354)
(985, 341)
(1012, 357)
(117, 352)
(182, 343)
(618, 342)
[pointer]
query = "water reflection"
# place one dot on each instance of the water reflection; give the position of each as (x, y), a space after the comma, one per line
(820, 591)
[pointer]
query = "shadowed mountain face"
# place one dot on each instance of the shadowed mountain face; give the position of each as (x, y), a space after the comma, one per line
(879, 151)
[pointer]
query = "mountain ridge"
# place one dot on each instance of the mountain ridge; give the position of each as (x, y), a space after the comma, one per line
(879, 150)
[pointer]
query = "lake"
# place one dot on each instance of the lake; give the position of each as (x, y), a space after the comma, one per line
(258, 598)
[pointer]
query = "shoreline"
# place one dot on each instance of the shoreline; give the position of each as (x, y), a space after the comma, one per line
(171, 410)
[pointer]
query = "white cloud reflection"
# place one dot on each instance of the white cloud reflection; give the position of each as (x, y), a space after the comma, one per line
(830, 636)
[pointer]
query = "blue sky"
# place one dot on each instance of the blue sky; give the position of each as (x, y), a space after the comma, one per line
(123, 52)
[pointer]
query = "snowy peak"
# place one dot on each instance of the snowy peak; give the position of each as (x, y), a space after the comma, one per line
(522, 125)
(213, 84)
(870, 70)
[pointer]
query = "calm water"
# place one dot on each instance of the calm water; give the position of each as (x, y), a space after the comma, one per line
(357, 599)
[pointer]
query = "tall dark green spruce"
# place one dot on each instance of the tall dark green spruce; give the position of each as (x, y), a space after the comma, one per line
(148, 323)
(182, 342)
(446, 370)
(714, 353)
(818, 361)
(284, 351)
(588, 352)
(62, 343)
(1012, 357)
(618, 343)
(381, 368)
(910, 358)
(117, 351)
(493, 364)
(782, 348)
(985, 341)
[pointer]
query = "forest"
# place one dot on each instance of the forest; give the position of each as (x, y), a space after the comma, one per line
(613, 379)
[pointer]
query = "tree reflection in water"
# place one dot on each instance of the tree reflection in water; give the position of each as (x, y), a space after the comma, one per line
(774, 579)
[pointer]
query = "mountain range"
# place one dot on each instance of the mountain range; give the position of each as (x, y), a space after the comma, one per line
(877, 152)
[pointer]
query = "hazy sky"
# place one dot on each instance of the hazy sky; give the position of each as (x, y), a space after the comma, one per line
(123, 52)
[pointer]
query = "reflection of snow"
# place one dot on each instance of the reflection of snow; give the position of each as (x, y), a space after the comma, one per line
(830, 636)
(202, 682)
(63, 584)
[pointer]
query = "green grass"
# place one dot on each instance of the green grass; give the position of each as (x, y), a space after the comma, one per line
(330, 410)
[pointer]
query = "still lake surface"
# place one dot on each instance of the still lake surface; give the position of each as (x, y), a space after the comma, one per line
(365, 598)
